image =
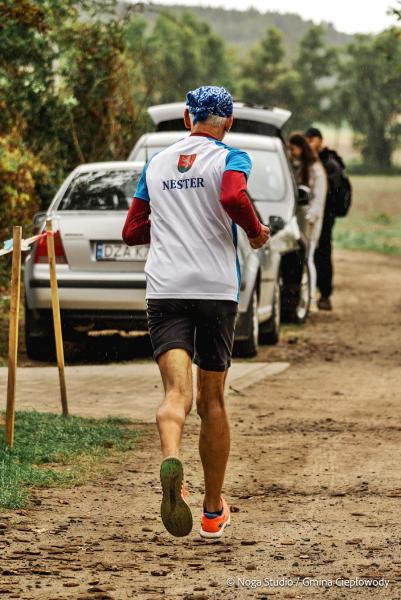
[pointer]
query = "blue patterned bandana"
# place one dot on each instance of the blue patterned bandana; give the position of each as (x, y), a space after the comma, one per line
(209, 100)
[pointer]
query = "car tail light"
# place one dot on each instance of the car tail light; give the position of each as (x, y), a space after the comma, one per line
(41, 250)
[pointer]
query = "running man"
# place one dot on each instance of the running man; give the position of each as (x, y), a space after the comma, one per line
(187, 203)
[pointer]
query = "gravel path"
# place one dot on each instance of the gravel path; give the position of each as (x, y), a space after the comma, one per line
(313, 480)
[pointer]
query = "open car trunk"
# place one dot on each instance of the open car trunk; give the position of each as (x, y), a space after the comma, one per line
(247, 119)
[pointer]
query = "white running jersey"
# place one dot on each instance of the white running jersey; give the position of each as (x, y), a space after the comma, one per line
(193, 249)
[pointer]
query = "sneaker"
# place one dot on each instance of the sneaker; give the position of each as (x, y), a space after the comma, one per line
(213, 527)
(175, 512)
(313, 309)
(324, 303)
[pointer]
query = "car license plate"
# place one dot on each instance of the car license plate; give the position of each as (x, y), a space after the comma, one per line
(120, 251)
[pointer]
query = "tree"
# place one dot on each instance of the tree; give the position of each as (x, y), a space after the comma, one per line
(65, 97)
(315, 67)
(181, 54)
(33, 36)
(396, 11)
(302, 87)
(65, 83)
(370, 79)
(97, 90)
(266, 79)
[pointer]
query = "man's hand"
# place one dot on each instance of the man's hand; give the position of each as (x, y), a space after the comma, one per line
(262, 238)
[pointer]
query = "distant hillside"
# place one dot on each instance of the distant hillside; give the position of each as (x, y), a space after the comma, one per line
(244, 28)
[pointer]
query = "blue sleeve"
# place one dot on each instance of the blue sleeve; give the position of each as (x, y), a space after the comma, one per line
(142, 191)
(238, 160)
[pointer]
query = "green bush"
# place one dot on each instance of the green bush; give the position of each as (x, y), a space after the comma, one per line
(20, 171)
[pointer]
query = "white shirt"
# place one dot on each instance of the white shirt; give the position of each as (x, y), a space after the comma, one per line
(315, 211)
(193, 249)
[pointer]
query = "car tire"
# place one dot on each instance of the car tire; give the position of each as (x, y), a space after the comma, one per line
(297, 305)
(39, 337)
(248, 347)
(270, 331)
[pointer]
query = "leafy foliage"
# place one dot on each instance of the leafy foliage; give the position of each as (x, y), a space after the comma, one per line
(100, 109)
(370, 95)
(183, 52)
(242, 28)
(76, 79)
(316, 67)
(20, 170)
(268, 78)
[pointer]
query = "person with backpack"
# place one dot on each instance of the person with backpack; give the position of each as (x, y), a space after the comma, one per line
(338, 202)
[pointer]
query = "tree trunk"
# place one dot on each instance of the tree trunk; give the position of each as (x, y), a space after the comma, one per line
(378, 149)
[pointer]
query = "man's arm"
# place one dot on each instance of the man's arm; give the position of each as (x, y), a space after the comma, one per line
(238, 206)
(136, 229)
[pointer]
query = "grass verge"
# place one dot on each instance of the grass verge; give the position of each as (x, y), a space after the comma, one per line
(51, 451)
(374, 221)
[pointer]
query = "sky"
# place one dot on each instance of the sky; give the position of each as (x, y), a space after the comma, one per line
(350, 16)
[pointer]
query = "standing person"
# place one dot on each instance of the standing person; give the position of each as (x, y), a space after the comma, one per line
(309, 171)
(195, 192)
(337, 204)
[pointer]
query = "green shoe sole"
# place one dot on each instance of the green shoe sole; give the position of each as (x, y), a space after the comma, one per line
(175, 513)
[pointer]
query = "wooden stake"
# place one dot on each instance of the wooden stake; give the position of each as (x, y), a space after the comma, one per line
(58, 336)
(13, 335)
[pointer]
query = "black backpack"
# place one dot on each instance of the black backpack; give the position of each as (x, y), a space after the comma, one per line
(342, 196)
(340, 188)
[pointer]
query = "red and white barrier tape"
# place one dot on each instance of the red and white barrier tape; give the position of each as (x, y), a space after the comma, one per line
(25, 244)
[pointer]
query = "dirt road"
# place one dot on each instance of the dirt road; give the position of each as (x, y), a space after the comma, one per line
(313, 480)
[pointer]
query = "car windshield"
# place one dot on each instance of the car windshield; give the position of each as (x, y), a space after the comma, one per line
(266, 182)
(100, 190)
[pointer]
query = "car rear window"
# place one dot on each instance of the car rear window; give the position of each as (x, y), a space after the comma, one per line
(266, 182)
(145, 153)
(100, 190)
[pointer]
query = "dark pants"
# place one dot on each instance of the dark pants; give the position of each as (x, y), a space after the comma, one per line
(323, 259)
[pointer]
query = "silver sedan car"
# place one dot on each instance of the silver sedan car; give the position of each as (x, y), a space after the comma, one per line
(101, 280)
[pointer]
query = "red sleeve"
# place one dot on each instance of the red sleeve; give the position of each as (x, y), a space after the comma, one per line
(237, 204)
(136, 229)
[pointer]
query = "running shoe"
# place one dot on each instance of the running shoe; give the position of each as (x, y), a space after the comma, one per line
(324, 303)
(175, 512)
(213, 527)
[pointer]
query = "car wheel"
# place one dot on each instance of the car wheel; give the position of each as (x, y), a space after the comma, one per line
(248, 348)
(39, 338)
(270, 331)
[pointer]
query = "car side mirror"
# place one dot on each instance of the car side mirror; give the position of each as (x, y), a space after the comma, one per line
(276, 224)
(304, 195)
(38, 220)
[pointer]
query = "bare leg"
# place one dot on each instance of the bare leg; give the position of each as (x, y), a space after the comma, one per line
(214, 439)
(176, 371)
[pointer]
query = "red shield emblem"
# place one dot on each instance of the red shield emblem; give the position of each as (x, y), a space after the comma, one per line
(185, 162)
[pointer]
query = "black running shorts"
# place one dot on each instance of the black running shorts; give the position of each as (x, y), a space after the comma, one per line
(203, 327)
